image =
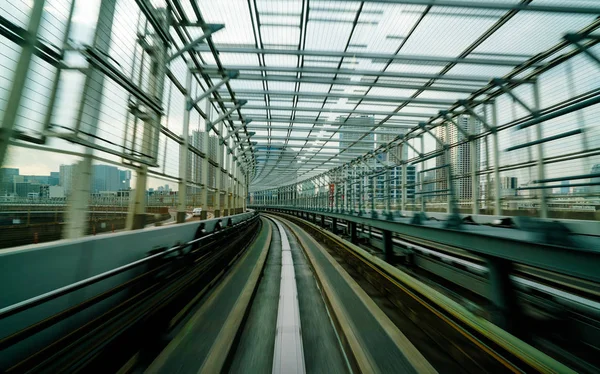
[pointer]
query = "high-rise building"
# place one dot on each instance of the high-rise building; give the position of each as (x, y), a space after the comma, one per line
(460, 156)
(66, 177)
(124, 179)
(105, 178)
(395, 175)
(508, 186)
(7, 183)
(356, 123)
(395, 154)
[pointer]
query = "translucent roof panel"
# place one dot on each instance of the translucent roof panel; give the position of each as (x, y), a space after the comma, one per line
(310, 65)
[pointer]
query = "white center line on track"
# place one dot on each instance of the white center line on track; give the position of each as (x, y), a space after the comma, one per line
(289, 354)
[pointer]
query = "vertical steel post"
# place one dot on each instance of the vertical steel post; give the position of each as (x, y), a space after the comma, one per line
(361, 181)
(226, 179)
(421, 174)
(387, 192)
(474, 155)
(205, 164)
(505, 309)
(388, 246)
(404, 187)
(89, 112)
(373, 192)
(184, 150)
(136, 218)
(540, 151)
(496, 150)
(20, 77)
(219, 175)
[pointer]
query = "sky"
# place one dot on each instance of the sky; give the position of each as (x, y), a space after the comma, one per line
(525, 36)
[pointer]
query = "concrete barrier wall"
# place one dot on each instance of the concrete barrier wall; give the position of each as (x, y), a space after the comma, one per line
(32, 270)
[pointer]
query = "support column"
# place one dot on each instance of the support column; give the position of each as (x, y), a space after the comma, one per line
(184, 151)
(205, 165)
(226, 181)
(505, 309)
(361, 181)
(373, 193)
(404, 187)
(474, 155)
(387, 193)
(77, 220)
(540, 151)
(334, 225)
(219, 176)
(496, 150)
(136, 218)
(423, 196)
(388, 246)
(352, 228)
(21, 71)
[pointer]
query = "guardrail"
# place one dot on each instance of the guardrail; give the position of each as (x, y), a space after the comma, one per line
(44, 301)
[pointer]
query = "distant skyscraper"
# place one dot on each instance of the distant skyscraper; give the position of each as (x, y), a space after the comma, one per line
(66, 178)
(460, 157)
(395, 154)
(564, 189)
(124, 179)
(356, 123)
(7, 183)
(105, 178)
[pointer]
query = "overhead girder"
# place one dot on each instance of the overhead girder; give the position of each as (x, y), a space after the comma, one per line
(342, 130)
(494, 5)
(348, 82)
(309, 146)
(224, 48)
(354, 72)
(392, 124)
(371, 98)
(335, 110)
(310, 139)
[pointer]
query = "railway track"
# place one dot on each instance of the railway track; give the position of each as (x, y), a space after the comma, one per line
(562, 312)
(333, 307)
(437, 321)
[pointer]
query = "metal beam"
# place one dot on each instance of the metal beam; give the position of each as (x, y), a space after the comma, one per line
(327, 130)
(224, 48)
(353, 72)
(342, 111)
(208, 29)
(372, 98)
(317, 146)
(348, 82)
(230, 74)
(495, 5)
(309, 139)
(211, 124)
(393, 124)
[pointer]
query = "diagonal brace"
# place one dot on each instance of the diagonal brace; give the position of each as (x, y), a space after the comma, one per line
(448, 118)
(245, 122)
(471, 111)
(208, 29)
(501, 84)
(230, 75)
(211, 125)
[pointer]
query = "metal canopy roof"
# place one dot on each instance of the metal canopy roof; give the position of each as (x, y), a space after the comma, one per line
(311, 71)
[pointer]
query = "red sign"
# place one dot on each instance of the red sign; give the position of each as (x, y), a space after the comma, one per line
(331, 192)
